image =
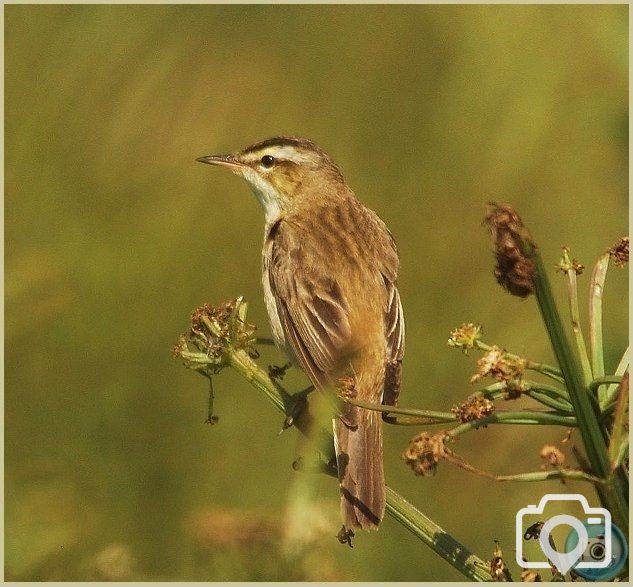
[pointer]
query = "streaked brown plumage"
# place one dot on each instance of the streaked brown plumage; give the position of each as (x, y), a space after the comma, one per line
(329, 274)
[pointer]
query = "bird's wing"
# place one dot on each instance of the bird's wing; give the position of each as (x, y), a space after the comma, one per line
(394, 329)
(312, 309)
(394, 325)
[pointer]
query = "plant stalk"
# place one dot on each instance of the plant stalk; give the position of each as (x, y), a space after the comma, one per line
(585, 404)
(431, 534)
(572, 291)
(471, 566)
(596, 290)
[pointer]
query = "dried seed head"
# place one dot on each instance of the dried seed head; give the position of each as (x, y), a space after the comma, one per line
(515, 269)
(474, 408)
(425, 451)
(179, 347)
(553, 456)
(496, 364)
(514, 389)
(218, 325)
(620, 252)
(212, 332)
(497, 566)
(529, 576)
(465, 336)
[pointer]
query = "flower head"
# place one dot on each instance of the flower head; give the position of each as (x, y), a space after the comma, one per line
(425, 451)
(465, 336)
(620, 252)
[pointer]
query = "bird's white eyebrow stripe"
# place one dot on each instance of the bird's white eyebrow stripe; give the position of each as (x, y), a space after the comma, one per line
(285, 152)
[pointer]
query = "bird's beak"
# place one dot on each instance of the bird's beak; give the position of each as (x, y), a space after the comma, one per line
(223, 160)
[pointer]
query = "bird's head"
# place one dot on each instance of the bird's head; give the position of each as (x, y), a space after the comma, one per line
(282, 171)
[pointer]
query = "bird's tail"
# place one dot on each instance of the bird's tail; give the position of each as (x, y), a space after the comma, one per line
(358, 443)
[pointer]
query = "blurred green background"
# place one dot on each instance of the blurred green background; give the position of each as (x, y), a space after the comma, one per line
(114, 234)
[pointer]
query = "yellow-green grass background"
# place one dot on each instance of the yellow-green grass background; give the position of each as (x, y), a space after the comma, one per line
(114, 234)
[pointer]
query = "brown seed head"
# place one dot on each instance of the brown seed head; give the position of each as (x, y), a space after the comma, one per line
(620, 252)
(515, 269)
(425, 451)
(552, 456)
(530, 576)
(496, 364)
(497, 566)
(474, 408)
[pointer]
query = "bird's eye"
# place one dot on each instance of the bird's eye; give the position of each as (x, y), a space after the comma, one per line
(267, 161)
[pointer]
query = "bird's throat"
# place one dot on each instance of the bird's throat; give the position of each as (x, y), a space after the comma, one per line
(267, 194)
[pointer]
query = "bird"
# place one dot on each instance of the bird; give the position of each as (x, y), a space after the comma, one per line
(329, 272)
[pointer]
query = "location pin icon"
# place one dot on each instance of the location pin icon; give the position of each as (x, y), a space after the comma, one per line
(563, 561)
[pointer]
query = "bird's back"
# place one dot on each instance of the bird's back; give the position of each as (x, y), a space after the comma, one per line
(329, 279)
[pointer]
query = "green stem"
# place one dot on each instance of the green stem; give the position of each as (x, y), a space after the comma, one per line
(431, 534)
(553, 392)
(245, 366)
(521, 417)
(572, 291)
(598, 278)
(257, 377)
(425, 416)
(524, 477)
(549, 475)
(586, 408)
(619, 432)
(620, 454)
(612, 390)
(547, 400)
(605, 380)
(543, 396)
(499, 389)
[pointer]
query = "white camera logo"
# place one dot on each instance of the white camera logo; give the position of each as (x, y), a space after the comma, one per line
(565, 560)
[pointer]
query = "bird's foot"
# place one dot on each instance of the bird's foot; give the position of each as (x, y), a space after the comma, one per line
(345, 536)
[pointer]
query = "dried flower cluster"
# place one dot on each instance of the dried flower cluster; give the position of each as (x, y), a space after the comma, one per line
(199, 332)
(228, 322)
(465, 336)
(552, 456)
(498, 365)
(212, 330)
(515, 269)
(497, 566)
(425, 451)
(473, 408)
(530, 576)
(620, 252)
